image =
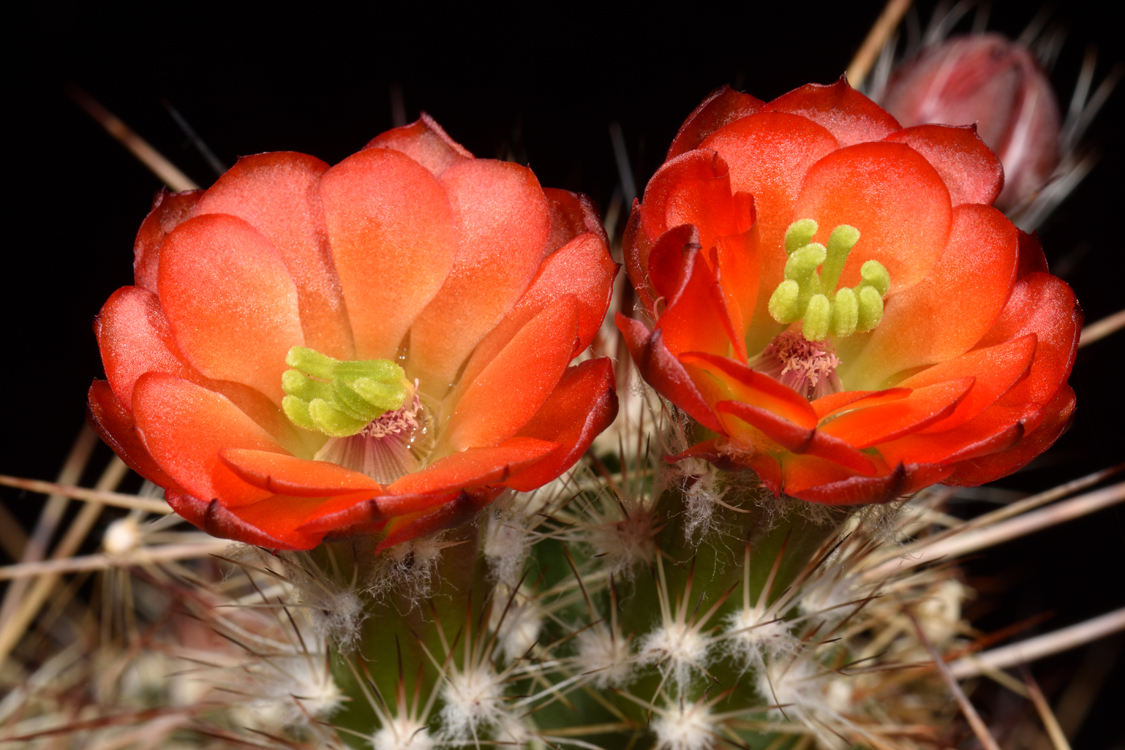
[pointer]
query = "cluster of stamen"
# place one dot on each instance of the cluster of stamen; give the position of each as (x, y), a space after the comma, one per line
(340, 398)
(811, 296)
(808, 367)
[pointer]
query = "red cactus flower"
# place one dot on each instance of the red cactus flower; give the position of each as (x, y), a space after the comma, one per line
(313, 351)
(838, 306)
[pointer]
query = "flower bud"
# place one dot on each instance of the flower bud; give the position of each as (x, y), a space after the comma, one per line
(995, 83)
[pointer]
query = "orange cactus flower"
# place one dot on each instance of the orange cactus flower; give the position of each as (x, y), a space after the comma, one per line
(836, 303)
(314, 351)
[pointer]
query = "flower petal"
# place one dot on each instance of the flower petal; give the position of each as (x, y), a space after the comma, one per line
(456, 512)
(230, 302)
(696, 317)
(582, 405)
(390, 228)
(582, 268)
(425, 142)
(502, 225)
(475, 467)
(116, 426)
(270, 523)
(865, 428)
(278, 195)
(722, 107)
(169, 210)
(572, 215)
(283, 474)
(969, 169)
(754, 388)
(819, 481)
(507, 393)
(849, 115)
(184, 426)
(663, 371)
(892, 195)
(952, 308)
(726, 458)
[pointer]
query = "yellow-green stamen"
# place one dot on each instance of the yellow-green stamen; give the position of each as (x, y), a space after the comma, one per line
(812, 297)
(340, 398)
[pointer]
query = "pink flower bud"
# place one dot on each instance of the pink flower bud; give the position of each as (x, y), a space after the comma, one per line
(995, 83)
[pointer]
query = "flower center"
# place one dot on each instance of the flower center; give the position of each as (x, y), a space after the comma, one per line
(341, 399)
(808, 367)
(811, 296)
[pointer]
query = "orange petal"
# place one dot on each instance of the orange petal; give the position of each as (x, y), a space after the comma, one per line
(283, 474)
(230, 302)
(390, 228)
(169, 210)
(849, 115)
(1032, 259)
(1056, 420)
(768, 155)
(696, 317)
(663, 371)
(952, 308)
(1045, 306)
(184, 426)
(797, 439)
(475, 467)
(507, 393)
(995, 430)
(425, 142)
(722, 107)
(582, 268)
(134, 338)
(271, 523)
(582, 405)
(996, 370)
(969, 169)
(116, 426)
(754, 388)
(572, 215)
(456, 512)
(829, 405)
(278, 195)
(868, 427)
(502, 226)
(739, 270)
(819, 481)
(891, 194)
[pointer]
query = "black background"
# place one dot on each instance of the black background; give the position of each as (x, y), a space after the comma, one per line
(545, 90)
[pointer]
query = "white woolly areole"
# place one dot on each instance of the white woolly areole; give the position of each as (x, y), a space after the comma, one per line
(295, 689)
(606, 658)
(506, 545)
(678, 648)
(624, 544)
(810, 695)
(520, 627)
(122, 536)
(701, 491)
(474, 702)
(408, 569)
(403, 734)
(684, 727)
(756, 637)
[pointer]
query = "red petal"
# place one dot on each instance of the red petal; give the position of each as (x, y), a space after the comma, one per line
(996, 370)
(270, 523)
(952, 308)
(169, 210)
(663, 371)
(1045, 306)
(1032, 259)
(768, 155)
(582, 405)
(134, 338)
(502, 225)
(696, 318)
(868, 427)
(115, 425)
(507, 393)
(796, 439)
(475, 467)
(1056, 421)
(278, 195)
(753, 388)
(230, 302)
(828, 405)
(995, 430)
(638, 248)
(849, 115)
(184, 426)
(425, 142)
(390, 228)
(721, 107)
(572, 215)
(819, 481)
(892, 195)
(970, 170)
(283, 474)
(460, 510)
(582, 268)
